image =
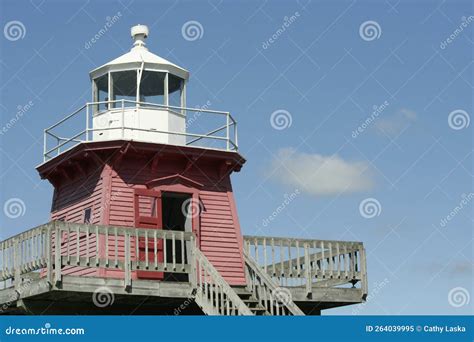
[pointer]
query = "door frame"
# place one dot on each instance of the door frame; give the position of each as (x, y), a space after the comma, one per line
(194, 193)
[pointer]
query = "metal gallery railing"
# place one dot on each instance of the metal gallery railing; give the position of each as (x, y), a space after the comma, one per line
(309, 263)
(78, 126)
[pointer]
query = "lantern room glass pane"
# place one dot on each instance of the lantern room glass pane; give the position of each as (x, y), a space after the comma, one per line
(125, 87)
(152, 87)
(174, 90)
(102, 85)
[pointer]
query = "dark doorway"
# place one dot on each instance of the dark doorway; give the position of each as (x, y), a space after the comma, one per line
(175, 208)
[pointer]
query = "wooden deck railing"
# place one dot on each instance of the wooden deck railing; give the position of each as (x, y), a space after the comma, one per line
(213, 293)
(309, 263)
(85, 246)
(277, 301)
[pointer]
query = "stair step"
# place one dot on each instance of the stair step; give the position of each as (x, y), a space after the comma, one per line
(241, 290)
(258, 311)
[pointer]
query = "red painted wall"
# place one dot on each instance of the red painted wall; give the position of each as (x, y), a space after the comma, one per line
(109, 191)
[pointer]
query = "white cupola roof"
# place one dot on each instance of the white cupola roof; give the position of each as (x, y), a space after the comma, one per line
(140, 57)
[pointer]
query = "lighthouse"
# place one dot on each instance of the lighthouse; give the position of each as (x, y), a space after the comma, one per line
(143, 216)
(138, 166)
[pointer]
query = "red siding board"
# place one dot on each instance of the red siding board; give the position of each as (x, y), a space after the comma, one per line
(219, 235)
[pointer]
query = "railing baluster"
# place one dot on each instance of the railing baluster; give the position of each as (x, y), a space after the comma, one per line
(68, 244)
(116, 247)
(364, 285)
(155, 249)
(182, 251)
(4, 261)
(323, 271)
(338, 256)
(273, 256)
(331, 261)
(127, 261)
(165, 254)
(314, 266)
(174, 251)
(346, 264)
(77, 245)
(87, 246)
(307, 269)
(265, 254)
(146, 249)
(137, 249)
(298, 263)
(352, 263)
(57, 254)
(106, 246)
(97, 246)
(282, 270)
(290, 266)
(256, 250)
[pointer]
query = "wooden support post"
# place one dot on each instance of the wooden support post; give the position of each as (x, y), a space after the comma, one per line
(363, 270)
(57, 255)
(193, 262)
(49, 255)
(307, 269)
(16, 264)
(127, 263)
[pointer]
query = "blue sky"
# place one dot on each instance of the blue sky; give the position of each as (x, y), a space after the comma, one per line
(322, 77)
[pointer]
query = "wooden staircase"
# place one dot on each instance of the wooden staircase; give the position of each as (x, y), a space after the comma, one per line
(249, 299)
(216, 297)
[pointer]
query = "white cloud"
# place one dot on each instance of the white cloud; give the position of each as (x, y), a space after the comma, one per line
(316, 174)
(396, 123)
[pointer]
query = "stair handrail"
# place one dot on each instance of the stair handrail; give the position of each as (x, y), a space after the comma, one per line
(227, 300)
(273, 288)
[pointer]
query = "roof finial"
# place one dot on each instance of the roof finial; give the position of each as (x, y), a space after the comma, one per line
(139, 33)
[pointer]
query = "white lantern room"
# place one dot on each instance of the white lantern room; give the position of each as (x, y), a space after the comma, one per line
(139, 96)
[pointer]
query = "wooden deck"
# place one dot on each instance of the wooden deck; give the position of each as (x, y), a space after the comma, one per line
(284, 276)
